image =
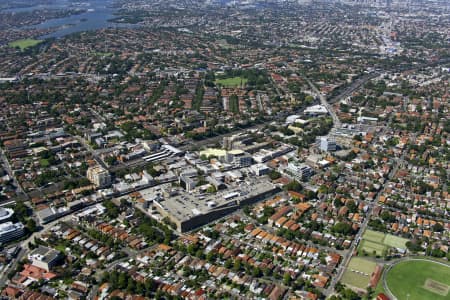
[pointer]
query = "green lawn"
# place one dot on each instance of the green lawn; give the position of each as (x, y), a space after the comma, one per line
(44, 162)
(373, 236)
(395, 241)
(24, 44)
(362, 265)
(231, 82)
(61, 248)
(370, 247)
(353, 278)
(409, 277)
(378, 242)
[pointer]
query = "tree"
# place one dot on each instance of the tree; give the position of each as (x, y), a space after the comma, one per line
(348, 294)
(351, 206)
(228, 263)
(131, 286)
(274, 175)
(337, 202)
(438, 227)
(211, 189)
(343, 228)
(122, 281)
(31, 225)
(211, 256)
(237, 265)
(256, 272)
(294, 186)
(287, 279)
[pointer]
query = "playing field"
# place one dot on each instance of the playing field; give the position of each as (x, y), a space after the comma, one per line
(358, 272)
(24, 44)
(395, 241)
(231, 82)
(372, 248)
(420, 279)
(374, 236)
(374, 242)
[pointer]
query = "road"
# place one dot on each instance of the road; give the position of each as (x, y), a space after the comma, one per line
(348, 91)
(323, 100)
(346, 259)
(11, 174)
(24, 248)
(90, 149)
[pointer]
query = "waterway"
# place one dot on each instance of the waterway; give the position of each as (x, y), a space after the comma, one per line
(97, 14)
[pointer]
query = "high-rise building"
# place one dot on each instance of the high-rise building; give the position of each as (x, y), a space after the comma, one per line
(99, 176)
(326, 143)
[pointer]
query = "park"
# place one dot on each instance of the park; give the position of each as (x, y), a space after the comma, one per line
(418, 279)
(24, 44)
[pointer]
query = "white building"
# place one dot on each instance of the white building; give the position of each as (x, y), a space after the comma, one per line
(260, 169)
(10, 231)
(326, 143)
(299, 171)
(44, 257)
(99, 176)
(5, 214)
(316, 110)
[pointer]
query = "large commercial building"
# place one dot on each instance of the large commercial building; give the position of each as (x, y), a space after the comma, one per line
(10, 231)
(191, 210)
(99, 176)
(265, 155)
(44, 257)
(5, 214)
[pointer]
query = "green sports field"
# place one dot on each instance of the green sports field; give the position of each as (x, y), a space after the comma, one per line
(374, 242)
(358, 272)
(420, 279)
(231, 82)
(395, 241)
(24, 44)
(374, 236)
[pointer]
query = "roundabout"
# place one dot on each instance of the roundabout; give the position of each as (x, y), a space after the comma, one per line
(417, 279)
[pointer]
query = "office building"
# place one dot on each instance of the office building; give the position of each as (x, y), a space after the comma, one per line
(299, 171)
(99, 176)
(10, 231)
(326, 144)
(5, 214)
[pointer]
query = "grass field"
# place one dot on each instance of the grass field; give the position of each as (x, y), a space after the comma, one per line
(24, 44)
(395, 241)
(44, 162)
(358, 272)
(231, 82)
(372, 248)
(374, 242)
(374, 236)
(422, 280)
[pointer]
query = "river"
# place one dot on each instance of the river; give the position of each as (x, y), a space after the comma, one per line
(97, 14)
